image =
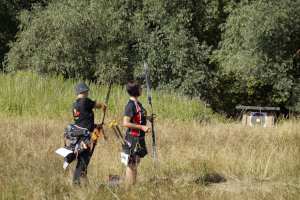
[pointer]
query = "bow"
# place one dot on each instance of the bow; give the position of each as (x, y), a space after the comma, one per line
(97, 133)
(152, 125)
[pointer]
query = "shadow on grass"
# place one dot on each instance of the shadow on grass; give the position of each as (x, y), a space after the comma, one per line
(210, 178)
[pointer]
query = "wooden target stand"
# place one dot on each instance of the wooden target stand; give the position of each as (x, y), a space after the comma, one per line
(255, 115)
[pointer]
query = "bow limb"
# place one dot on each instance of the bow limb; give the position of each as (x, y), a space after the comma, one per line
(97, 133)
(106, 101)
(152, 125)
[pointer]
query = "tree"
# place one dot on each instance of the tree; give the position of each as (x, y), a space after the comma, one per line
(88, 39)
(9, 10)
(260, 46)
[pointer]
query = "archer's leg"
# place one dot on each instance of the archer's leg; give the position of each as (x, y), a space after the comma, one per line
(81, 167)
(131, 171)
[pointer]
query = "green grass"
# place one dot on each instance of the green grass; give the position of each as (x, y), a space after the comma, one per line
(27, 94)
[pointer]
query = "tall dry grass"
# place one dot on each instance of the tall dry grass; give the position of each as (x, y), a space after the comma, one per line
(195, 160)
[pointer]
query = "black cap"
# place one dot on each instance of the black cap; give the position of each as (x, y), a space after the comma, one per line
(81, 87)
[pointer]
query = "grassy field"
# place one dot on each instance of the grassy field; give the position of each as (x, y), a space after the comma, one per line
(199, 154)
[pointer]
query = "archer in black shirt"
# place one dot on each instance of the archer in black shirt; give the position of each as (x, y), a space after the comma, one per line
(135, 120)
(84, 117)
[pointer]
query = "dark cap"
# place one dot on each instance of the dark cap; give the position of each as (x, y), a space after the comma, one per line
(81, 87)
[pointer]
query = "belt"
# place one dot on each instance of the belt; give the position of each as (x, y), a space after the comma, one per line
(135, 137)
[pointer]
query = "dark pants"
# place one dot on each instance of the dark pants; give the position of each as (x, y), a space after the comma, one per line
(81, 167)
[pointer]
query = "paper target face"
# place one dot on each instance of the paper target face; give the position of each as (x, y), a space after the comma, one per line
(258, 118)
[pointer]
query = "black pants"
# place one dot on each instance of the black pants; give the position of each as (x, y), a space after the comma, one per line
(81, 167)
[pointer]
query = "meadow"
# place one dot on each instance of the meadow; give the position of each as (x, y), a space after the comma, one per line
(200, 154)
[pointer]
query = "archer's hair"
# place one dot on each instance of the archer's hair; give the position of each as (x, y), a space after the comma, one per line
(133, 88)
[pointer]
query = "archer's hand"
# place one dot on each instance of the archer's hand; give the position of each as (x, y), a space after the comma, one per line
(98, 126)
(146, 129)
(150, 118)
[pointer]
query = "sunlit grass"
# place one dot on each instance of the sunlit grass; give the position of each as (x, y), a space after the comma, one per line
(194, 161)
(27, 94)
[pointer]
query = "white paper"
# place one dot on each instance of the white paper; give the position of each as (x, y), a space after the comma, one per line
(63, 152)
(124, 158)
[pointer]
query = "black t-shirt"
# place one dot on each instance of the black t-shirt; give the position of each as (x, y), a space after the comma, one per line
(83, 113)
(138, 116)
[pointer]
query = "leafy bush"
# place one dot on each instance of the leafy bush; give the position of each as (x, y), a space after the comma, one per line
(88, 39)
(260, 48)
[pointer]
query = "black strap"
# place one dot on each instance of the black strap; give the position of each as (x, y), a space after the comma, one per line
(134, 137)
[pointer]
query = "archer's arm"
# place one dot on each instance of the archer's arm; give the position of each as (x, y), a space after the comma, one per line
(128, 124)
(97, 105)
(150, 118)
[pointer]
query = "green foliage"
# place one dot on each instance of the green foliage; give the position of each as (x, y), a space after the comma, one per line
(9, 23)
(238, 92)
(260, 47)
(177, 59)
(90, 38)
(257, 61)
(8, 27)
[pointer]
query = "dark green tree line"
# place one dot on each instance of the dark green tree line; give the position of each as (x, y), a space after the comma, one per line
(227, 52)
(9, 10)
(259, 54)
(90, 38)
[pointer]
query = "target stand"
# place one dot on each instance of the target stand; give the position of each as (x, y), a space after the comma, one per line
(258, 116)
